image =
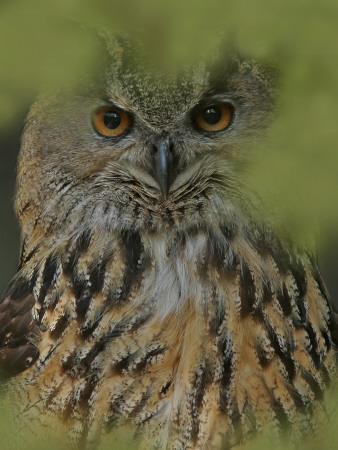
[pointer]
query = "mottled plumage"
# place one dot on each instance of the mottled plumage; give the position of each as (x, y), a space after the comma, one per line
(186, 316)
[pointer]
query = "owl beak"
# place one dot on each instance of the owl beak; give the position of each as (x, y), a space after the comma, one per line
(163, 164)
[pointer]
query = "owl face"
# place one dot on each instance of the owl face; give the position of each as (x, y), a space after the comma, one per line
(141, 148)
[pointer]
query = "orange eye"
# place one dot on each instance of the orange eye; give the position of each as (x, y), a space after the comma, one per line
(215, 117)
(111, 122)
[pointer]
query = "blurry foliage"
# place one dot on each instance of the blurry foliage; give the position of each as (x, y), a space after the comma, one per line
(49, 44)
(54, 437)
(15, 434)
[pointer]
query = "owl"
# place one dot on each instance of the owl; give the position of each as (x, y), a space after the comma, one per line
(153, 290)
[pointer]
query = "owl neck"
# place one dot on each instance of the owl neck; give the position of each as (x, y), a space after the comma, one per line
(161, 271)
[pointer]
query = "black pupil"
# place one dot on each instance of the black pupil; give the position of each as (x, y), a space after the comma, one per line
(112, 119)
(212, 115)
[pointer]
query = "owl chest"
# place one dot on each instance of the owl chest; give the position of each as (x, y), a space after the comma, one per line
(182, 332)
(137, 356)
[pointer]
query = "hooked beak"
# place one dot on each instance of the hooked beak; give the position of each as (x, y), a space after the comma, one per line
(163, 159)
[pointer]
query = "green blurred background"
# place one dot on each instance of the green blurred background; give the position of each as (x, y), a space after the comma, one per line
(48, 44)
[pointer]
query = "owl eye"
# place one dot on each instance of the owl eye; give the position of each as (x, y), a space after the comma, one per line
(215, 117)
(111, 122)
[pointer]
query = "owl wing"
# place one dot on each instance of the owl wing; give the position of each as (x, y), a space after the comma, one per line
(333, 322)
(17, 328)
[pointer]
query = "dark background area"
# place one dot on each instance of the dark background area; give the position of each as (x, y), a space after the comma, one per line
(10, 233)
(9, 228)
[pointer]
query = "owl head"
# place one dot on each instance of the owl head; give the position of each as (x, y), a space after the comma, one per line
(137, 148)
